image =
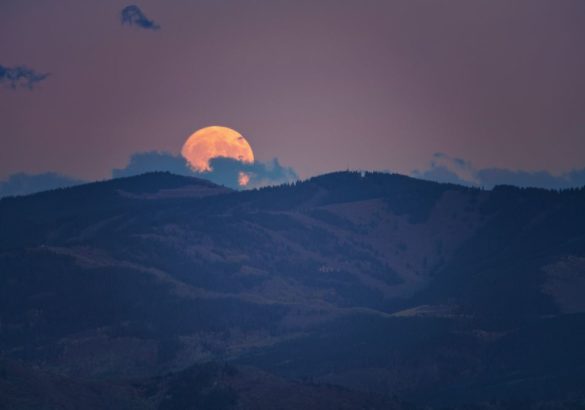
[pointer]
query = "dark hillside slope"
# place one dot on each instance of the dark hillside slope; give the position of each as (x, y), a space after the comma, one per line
(371, 281)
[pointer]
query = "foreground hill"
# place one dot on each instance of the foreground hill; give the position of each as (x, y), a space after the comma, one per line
(379, 283)
(202, 386)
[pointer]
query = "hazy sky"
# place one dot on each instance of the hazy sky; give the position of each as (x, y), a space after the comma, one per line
(321, 84)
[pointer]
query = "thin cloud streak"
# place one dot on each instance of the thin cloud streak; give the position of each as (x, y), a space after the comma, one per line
(20, 77)
(447, 169)
(133, 16)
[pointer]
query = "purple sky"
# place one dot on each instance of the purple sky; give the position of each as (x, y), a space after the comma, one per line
(321, 84)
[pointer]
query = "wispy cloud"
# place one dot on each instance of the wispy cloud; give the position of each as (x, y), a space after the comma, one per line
(20, 76)
(133, 16)
(444, 168)
(224, 171)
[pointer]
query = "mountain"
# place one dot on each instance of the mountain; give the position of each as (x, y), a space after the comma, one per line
(371, 284)
(201, 386)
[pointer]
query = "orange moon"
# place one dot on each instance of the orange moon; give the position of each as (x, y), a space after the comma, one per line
(212, 142)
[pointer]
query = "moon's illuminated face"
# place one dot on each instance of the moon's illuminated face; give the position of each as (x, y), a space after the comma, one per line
(215, 141)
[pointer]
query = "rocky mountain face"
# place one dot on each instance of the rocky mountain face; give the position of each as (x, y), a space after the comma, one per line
(345, 290)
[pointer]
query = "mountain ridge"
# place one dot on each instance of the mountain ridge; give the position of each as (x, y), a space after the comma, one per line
(371, 281)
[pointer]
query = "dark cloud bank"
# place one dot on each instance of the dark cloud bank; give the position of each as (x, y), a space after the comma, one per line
(225, 171)
(444, 168)
(20, 76)
(133, 16)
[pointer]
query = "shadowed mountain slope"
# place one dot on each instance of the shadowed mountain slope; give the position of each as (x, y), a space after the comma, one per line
(376, 282)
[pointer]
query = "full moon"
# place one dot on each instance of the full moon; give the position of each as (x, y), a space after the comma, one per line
(216, 141)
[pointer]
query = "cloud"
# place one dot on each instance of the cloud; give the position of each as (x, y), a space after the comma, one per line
(229, 172)
(133, 16)
(224, 171)
(444, 168)
(24, 184)
(153, 161)
(20, 76)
